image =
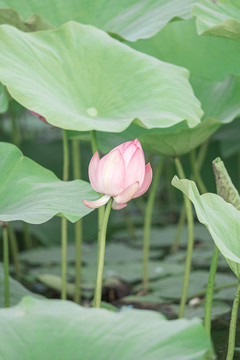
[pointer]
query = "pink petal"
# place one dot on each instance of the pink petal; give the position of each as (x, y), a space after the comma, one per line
(92, 171)
(136, 169)
(127, 150)
(123, 147)
(97, 203)
(111, 173)
(116, 206)
(146, 182)
(127, 194)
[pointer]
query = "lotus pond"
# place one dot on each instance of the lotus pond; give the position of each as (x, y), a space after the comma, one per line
(119, 180)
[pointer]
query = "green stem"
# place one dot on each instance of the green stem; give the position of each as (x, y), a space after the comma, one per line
(6, 265)
(14, 250)
(233, 322)
(78, 224)
(101, 254)
(180, 226)
(202, 154)
(27, 236)
(129, 224)
(188, 261)
(94, 141)
(216, 288)
(15, 131)
(148, 222)
(196, 172)
(210, 290)
(171, 191)
(64, 220)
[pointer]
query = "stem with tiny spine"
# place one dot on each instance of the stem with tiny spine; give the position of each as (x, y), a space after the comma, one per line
(214, 262)
(78, 225)
(148, 222)
(64, 220)
(196, 172)
(188, 262)
(101, 254)
(210, 290)
(14, 250)
(180, 226)
(6, 265)
(233, 323)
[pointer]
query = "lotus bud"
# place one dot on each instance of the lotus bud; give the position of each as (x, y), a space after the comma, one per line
(121, 174)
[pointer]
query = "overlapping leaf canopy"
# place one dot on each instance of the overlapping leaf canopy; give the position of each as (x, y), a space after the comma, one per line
(221, 18)
(131, 19)
(213, 76)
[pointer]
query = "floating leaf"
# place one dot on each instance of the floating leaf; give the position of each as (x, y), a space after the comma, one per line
(96, 333)
(131, 20)
(221, 18)
(34, 194)
(221, 218)
(83, 89)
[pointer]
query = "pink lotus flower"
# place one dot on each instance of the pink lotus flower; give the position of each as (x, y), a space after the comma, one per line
(120, 174)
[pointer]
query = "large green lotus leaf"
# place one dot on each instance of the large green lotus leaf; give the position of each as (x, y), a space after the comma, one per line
(178, 43)
(3, 99)
(220, 102)
(131, 19)
(221, 218)
(34, 194)
(221, 18)
(69, 331)
(83, 89)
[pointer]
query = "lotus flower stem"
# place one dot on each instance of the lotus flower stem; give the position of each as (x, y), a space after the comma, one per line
(101, 254)
(148, 222)
(101, 209)
(78, 224)
(233, 322)
(64, 220)
(6, 265)
(210, 290)
(188, 262)
(180, 226)
(14, 250)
